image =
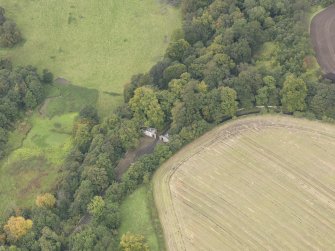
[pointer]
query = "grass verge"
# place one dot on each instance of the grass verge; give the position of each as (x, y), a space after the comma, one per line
(136, 217)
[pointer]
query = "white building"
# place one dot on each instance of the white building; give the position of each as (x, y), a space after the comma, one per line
(164, 138)
(150, 132)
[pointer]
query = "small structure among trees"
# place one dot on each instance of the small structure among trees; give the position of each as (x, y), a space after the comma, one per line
(164, 138)
(150, 132)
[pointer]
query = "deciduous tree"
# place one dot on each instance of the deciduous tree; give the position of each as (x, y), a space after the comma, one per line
(267, 92)
(17, 227)
(45, 200)
(96, 206)
(146, 108)
(9, 34)
(293, 94)
(177, 50)
(228, 101)
(49, 241)
(133, 242)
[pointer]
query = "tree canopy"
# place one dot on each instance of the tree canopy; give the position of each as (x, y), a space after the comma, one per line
(293, 94)
(146, 108)
(9, 33)
(229, 57)
(17, 227)
(46, 200)
(133, 242)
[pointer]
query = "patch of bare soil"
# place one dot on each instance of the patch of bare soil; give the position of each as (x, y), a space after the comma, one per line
(34, 163)
(322, 35)
(34, 184)
(24, 127)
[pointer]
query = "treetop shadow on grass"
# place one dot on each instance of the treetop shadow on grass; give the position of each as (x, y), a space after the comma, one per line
(113, 94)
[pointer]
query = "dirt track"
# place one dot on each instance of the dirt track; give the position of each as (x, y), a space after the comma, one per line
(146, 146)
(323, 39)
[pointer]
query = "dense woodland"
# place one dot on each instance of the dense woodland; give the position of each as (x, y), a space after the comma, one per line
(21, 89)
(9, 33)
(208, 74)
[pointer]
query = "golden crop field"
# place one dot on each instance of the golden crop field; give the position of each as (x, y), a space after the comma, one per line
(257, 183)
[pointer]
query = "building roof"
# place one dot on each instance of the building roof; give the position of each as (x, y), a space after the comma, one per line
(149, 129)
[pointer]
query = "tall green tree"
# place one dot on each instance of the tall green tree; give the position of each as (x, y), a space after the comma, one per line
(323, 103)
(83, 241)
(82, 197)
(266, 94)
(49, 241)
(293, 94)
(97, 176)
(177, 50)
(30, 100)
(228, 101)
(2, 15)
(129, 134)
(146, 108)
(96, 206)
(9, 34)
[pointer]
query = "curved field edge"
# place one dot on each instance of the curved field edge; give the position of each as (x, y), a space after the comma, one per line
(321, 37)
(162, 179)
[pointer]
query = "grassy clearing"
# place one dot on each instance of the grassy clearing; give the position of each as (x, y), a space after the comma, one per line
(32, 167)
(258, 183)
(94, 44)
(47, 137)
(97, 46)
(67, 99)
(265, 57)
(136, 217)
(17, 136)
(39, 145)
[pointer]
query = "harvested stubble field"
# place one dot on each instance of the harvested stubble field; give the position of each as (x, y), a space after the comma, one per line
(258, 183)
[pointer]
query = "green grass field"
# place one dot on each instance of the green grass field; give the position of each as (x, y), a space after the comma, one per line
(33, 166)
(39, 145)
(64, 99)
(136, 217)
(94, 44)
